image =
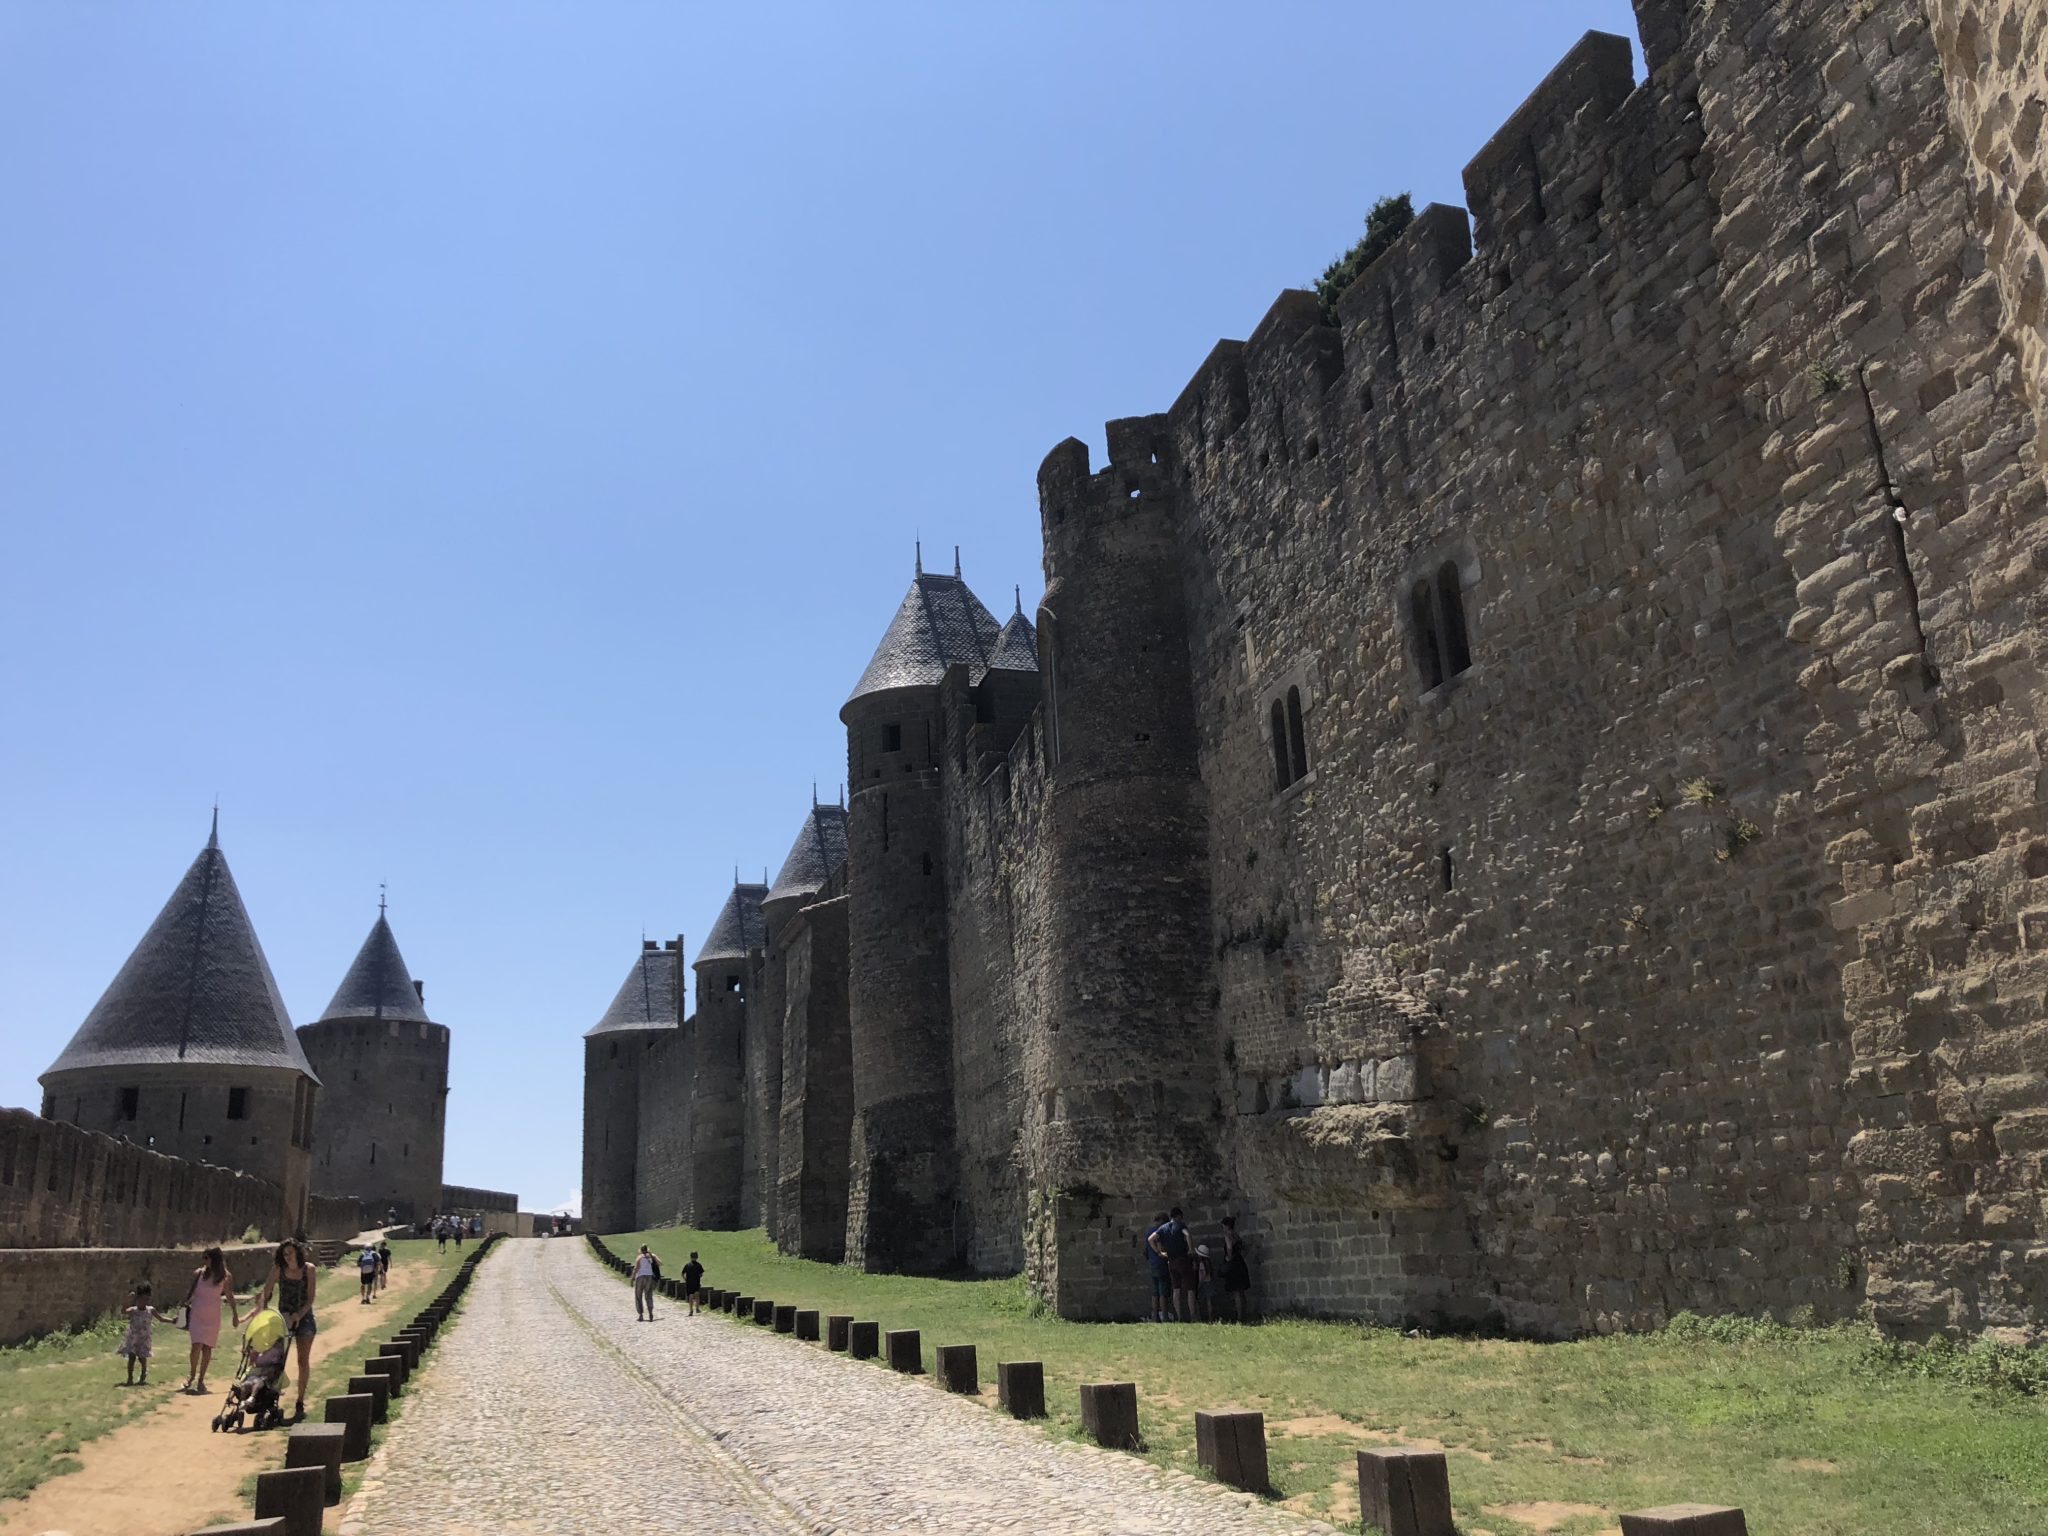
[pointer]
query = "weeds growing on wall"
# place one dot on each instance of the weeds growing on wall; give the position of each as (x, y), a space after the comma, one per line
(1389, 216)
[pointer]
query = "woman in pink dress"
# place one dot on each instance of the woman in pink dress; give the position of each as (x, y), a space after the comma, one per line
(212, 1283)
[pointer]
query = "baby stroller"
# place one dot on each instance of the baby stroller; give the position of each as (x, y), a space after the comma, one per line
(254, 1395)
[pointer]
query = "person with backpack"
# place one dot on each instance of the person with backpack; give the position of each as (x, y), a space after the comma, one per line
(383, 1266)
(366, 1271)
(1170, 1242)
(646, 1271)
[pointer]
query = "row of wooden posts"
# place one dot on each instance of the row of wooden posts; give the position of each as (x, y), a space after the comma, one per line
(1402, 1490)
(293, 1500)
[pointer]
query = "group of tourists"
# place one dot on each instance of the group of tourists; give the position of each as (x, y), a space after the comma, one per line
(293, 1280)
(373, 1268)
(442, 1228)
(1193, 1282)
(647, 1274)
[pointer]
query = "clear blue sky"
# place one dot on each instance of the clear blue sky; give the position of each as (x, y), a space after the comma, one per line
(482, 443)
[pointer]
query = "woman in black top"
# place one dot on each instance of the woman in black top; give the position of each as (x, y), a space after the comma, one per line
(1237, 1269)
(294, 1279)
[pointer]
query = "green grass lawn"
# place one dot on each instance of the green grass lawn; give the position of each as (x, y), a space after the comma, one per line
(1811, 1432)
(58, 1392)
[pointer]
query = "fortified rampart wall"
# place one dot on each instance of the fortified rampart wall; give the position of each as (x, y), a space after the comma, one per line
(64, 1187)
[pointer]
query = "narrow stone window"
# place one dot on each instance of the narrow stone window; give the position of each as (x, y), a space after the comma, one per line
(1422, 622)
(892, 737)
(732, 983)
(927, 863)
(181, 1111)
(1446, 868)
(373, 1154)
(238, 1103)
(1277, 725)
(1297, 737)
(1450, 596)
(131, 1102)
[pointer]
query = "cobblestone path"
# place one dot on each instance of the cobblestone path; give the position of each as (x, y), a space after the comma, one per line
(547, 1408)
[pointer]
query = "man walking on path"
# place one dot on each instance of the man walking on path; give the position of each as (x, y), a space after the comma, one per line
(646, 1270)
(693, 1282)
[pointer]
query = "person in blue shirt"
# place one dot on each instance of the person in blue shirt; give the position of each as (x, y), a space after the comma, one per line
(1169, 1241)
(1162, 1277)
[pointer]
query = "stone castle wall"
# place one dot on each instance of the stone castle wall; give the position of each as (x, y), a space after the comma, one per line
(1538, 801)
(50, 1290)
(663, 1172)
(65, 1187)
(816, 1098)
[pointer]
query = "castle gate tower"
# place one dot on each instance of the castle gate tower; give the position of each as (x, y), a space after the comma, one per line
(724, 968)
(903, 1176)
(379, 1131)
(190, 1051)
(1127, 1076)
(644, 1013)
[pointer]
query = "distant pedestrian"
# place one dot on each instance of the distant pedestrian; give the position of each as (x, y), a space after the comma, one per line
(1155, 1262)
(1237, 1269)
(440, 1230)
(366, 1271)
(646, 1270)
(693, 1282)
(458, 1234)
(383, 1265)
(1170, 1241)
(136, 1344)
(212, 1283)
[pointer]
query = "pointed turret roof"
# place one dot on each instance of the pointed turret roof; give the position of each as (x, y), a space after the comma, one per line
(940, 622)
(648, 997)
(1016, 648)
(196, 989)
(739, 929)
(377, 986)
(820, 848)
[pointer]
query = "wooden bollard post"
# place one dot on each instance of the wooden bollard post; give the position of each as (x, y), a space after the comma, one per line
(742, 1306)
(378, 1390)
(297, 1495)
(1233, 1446)
(785, 1319)
(1109, 1413)
(318, 1445)
(863, 1340)
(957, 1368)
(352, 1412)
(836, 1327)
(807, 1326)
(1020, 1388)
(906, 1351)
(1685, 1520)
(389, 1369)
(397, 1352)
(1405, 1492)
(764, 1311)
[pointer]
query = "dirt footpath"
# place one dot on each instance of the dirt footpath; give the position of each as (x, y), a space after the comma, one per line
(167, 1473)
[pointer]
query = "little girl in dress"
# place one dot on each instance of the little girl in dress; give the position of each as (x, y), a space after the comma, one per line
(135, 1343)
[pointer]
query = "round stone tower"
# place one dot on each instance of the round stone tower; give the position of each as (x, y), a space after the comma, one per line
(190, 1050)
(904, 1178)
(382, 1121)
(646, 1006)
(727, 1180)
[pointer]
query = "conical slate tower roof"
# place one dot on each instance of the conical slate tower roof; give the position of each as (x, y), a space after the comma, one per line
(196, 989)
(377, 986)
(647, 998)
(939, 623)
(819, 849)
(1016, 647)
(739, 928)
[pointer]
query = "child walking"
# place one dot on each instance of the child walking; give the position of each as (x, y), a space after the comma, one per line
(135, 1346)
